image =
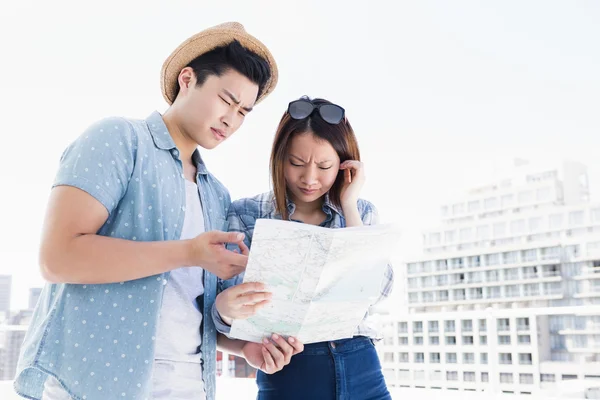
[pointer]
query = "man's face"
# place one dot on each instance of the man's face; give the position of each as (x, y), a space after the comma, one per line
(209, 114)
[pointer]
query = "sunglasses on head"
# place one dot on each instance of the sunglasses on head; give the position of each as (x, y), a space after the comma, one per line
(303, 108)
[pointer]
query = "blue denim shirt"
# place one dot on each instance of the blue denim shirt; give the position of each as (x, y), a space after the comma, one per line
(242, 217)
(98, 340)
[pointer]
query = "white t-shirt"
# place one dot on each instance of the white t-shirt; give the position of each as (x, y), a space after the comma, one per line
(177, 370)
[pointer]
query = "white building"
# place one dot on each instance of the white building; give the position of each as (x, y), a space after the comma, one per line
(12, 334)
(5, 289)
(506, 295)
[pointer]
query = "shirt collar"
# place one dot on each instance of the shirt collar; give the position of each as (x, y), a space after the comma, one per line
(163, 140)
(328, 206)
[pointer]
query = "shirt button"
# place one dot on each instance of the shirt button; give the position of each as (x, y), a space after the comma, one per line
(175, 153)
(183, 176)
(182, 208)
(332, 344)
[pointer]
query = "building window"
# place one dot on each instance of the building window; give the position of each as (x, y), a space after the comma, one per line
(492, 259)
(452, 375)
(434, 340)
(418, 340)
(469, 376)
(548, 378)
(467, 340)
(483, 358)
(549, 253)
(403, 357)
(511, 274)
(449, 236)
(506, 377)
(483, 340)
(503, 324)
(460, 294)
(572, 251)
(449, 326)
(467, 325)
(557, 342)
(485, 377)
(511, 257)
(505, 358)
(450, 340)
(504, 339)
(526, 379)
(442, 295)
(512, 290)
(474, 261)
(491, 203)
(468, 358)
(419, 358)
(525, 359)
(482, 325)
(418, 327)
(413, 298)
(434, 358)
(473, 206)
(451, 358)
(524, 339)
(523, 324)
(388, 357)
(458, 208)
(530, 255)
(427, 297)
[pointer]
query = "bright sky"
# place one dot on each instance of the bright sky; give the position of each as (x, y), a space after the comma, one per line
(439, 93)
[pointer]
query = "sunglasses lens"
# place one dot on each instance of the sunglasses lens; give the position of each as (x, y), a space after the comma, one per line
(331, 113)
(300, 109)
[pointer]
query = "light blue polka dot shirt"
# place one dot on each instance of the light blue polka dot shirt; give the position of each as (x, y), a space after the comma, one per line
(98, 340)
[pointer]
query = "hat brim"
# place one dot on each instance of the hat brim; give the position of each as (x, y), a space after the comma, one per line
(204, 42)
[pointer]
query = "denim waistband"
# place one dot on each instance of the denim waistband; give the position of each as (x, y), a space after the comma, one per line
(338, 346)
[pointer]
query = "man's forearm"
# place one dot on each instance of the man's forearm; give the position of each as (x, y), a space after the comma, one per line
(94, 259)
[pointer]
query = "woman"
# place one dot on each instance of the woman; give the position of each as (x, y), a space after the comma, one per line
(317, 177)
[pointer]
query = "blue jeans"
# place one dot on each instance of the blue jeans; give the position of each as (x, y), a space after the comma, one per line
(346, 369)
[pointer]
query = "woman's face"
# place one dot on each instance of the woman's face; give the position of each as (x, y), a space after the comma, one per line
(310, 169)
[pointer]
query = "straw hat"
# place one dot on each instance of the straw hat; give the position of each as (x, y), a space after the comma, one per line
(205, 41)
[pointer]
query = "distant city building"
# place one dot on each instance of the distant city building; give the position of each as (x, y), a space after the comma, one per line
(34, 296)
(5, 292)
(506, 294)
(12, 334)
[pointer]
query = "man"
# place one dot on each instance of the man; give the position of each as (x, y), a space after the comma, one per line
(133, 240)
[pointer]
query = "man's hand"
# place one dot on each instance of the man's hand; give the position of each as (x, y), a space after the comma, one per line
(208, 251)
(270, 358)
